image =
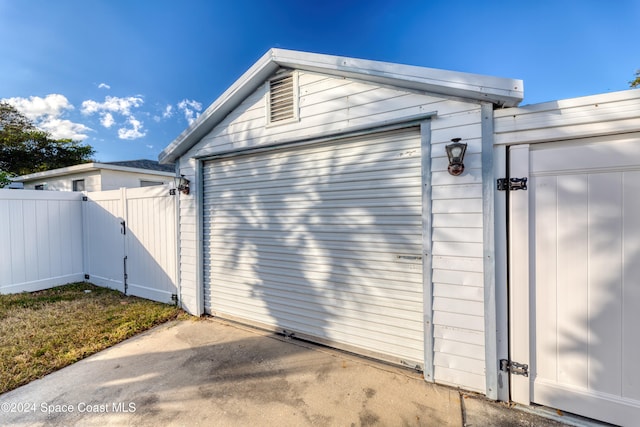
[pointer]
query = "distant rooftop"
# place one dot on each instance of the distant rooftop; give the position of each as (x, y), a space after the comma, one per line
(143, 164)
(139, 166)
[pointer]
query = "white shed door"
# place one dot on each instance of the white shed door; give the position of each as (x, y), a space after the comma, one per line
(584, 276)
(323, 241)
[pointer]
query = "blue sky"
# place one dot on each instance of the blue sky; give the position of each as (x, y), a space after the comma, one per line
(127, 76)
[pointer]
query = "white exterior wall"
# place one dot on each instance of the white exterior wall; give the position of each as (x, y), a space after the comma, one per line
(92, 182)
(98, 180)
(112, 180)
(329, 105)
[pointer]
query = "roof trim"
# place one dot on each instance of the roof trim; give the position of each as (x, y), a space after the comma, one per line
(86, 167)
(499, 91)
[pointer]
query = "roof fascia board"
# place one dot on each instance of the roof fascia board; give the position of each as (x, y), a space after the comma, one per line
(85, 167)
(222, 106)
(134, 170)
(502, 91)
(57, 172)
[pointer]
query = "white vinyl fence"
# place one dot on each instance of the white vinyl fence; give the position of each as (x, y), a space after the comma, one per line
(40, 239)
(123, 239)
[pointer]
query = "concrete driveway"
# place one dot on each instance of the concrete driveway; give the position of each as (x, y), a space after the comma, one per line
(213, 373)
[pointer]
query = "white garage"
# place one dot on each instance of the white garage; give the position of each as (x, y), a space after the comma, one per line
(320, 206)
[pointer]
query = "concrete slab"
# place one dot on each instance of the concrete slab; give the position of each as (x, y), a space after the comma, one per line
(213, 373)
(479, 412)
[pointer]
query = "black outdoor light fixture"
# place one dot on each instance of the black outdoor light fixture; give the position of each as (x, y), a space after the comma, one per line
(455, 153)
(182, 184)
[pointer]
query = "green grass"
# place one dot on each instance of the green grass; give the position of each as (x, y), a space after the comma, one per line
(41, 332)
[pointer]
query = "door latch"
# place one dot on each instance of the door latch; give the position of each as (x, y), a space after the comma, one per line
(512, 184)
(514, 368)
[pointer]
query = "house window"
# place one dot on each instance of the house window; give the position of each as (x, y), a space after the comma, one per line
(78, 185)
(282, 103)
(144, 183)
(39, 187)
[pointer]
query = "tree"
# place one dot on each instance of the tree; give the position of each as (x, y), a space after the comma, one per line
(5, 179)
(26, 149)
(636, 82)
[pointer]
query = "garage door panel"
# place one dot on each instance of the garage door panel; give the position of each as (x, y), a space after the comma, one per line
(284, 187)
(389, 296)
(382, 253)
(325, 265)
(324, 240)
(309, 275)
(318, 176)
(335, 329)
(351, 315)
(361, 151)
(400, 309)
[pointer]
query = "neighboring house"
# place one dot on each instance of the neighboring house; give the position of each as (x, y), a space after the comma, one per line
(100, 176)
(321, 206)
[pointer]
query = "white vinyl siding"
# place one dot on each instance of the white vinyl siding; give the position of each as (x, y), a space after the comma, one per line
(320, 240)
(333, 104)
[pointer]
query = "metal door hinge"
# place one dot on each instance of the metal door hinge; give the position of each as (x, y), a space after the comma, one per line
(512, 184)
(514, 368)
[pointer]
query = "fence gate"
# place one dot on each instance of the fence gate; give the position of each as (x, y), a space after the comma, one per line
(575, 264)
(131, 241)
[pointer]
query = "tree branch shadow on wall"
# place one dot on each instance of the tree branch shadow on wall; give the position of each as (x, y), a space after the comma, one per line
(596, 292)
(315, 247)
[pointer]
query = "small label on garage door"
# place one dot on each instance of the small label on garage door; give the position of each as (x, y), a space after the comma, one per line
(408, 258)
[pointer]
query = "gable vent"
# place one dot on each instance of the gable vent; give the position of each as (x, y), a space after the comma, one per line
(282, 105)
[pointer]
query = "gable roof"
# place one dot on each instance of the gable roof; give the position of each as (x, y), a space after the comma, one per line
(500, 91)
(150, 167)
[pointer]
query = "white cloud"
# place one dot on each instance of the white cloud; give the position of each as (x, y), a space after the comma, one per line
(113, 104)
(191, 109)
(132, 133)
(168, 112)
(107, 120)
(121, 106)
(46, 113)
(104, 86)
(35, 107)
(65, 129)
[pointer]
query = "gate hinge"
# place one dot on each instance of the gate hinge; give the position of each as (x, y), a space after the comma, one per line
(514, 368)
(512, 184)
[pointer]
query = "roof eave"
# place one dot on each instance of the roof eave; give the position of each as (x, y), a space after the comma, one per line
(502, 92)
(84, 167)
(222, 106)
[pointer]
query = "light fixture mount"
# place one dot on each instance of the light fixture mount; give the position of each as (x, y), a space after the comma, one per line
(455, 153)
(181, 184)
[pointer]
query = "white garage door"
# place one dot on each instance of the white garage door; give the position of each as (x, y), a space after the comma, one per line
(323, 241)
(584, 231)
